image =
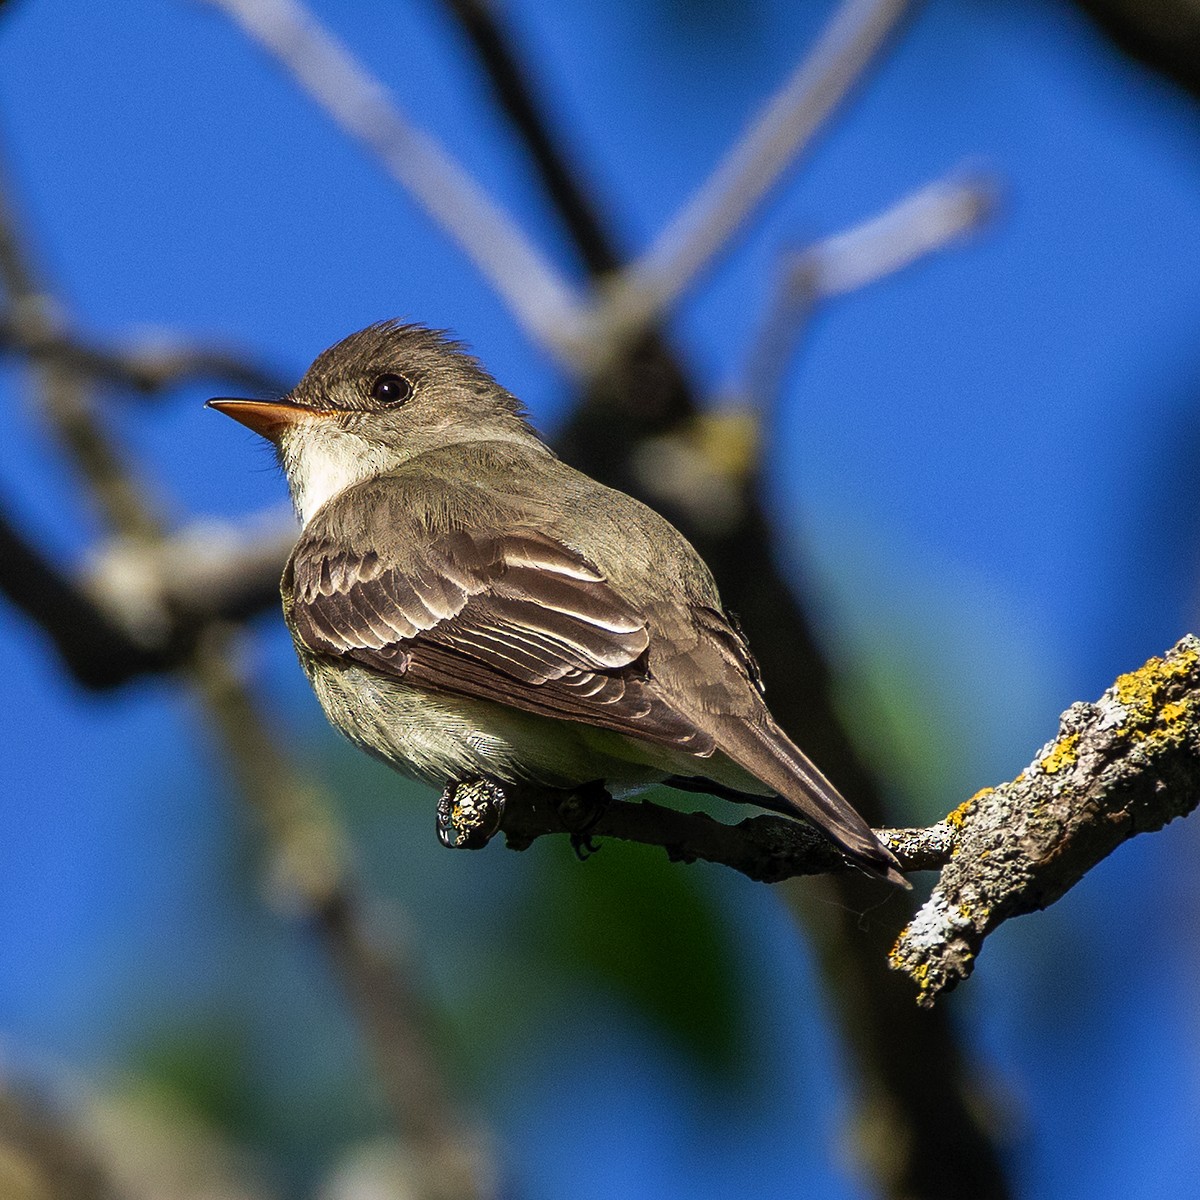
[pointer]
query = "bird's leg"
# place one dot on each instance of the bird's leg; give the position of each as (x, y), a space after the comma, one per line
(580, 809)
(469, 813)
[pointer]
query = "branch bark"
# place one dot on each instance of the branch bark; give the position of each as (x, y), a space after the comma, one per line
(1125, 765)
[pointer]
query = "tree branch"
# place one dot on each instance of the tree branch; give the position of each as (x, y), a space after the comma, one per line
(542, 300)
(708, 224)
(1128, 764)
(150, 367)
(765, 848)
(1125, 765)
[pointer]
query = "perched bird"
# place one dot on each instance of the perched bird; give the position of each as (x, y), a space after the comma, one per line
(468, 607)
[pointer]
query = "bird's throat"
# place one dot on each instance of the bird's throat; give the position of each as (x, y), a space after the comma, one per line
(321, 460)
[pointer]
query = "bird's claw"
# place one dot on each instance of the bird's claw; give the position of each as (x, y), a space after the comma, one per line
(580, 811)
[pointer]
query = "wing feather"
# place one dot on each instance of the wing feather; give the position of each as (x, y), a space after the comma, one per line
(517, 617)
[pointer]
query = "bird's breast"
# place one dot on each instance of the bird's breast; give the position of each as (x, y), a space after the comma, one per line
(445, 737)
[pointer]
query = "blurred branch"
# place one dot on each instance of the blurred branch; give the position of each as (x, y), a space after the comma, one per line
(931, 220)
(305, 843)
(540, 298)
(710, 222)
(140, 607)
(97, 649)
(43, 1157)
(1163, 34)
(151, 367)
(208, 571)
(1125, 765)
(515, 96)
(703, 465)
(310, 869)
(64, 397)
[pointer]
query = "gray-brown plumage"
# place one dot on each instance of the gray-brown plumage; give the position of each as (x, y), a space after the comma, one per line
(466, 605)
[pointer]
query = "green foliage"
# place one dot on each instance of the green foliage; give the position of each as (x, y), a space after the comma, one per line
(204, 1068)
(647, 932)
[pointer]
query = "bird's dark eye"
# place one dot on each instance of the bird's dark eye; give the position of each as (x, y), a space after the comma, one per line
(391, 389)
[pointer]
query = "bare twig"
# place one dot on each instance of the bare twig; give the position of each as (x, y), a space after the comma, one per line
(147, 368)
(709, 223)
(765, 848)
(514, 93)
(927, 222)
(542, 300)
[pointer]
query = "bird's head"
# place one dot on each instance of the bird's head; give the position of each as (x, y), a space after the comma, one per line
(373, 401)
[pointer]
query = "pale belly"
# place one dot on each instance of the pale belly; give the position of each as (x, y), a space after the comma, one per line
(442, 738)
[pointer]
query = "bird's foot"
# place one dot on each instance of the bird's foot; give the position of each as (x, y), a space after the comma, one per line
(469, 813)
(580, 810)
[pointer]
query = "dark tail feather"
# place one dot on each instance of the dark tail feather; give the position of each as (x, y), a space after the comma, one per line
(768, 754)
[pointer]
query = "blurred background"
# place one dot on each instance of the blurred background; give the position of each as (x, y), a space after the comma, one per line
(978, 475)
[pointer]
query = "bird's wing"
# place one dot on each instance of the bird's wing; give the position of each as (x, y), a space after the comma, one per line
(515, 617)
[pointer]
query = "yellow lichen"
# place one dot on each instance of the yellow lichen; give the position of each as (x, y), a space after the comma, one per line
(958, 817)
(895, 958)
(1061, 755)
(1140, 693)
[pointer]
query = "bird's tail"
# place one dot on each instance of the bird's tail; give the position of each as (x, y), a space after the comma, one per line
(771, 757)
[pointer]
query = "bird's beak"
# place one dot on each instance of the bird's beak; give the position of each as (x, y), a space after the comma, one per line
(270, 418)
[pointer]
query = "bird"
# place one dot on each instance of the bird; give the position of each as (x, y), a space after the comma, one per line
(469, 607)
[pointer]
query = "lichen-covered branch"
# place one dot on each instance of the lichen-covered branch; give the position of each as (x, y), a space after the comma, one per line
(1125, 765)
(765, 848)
